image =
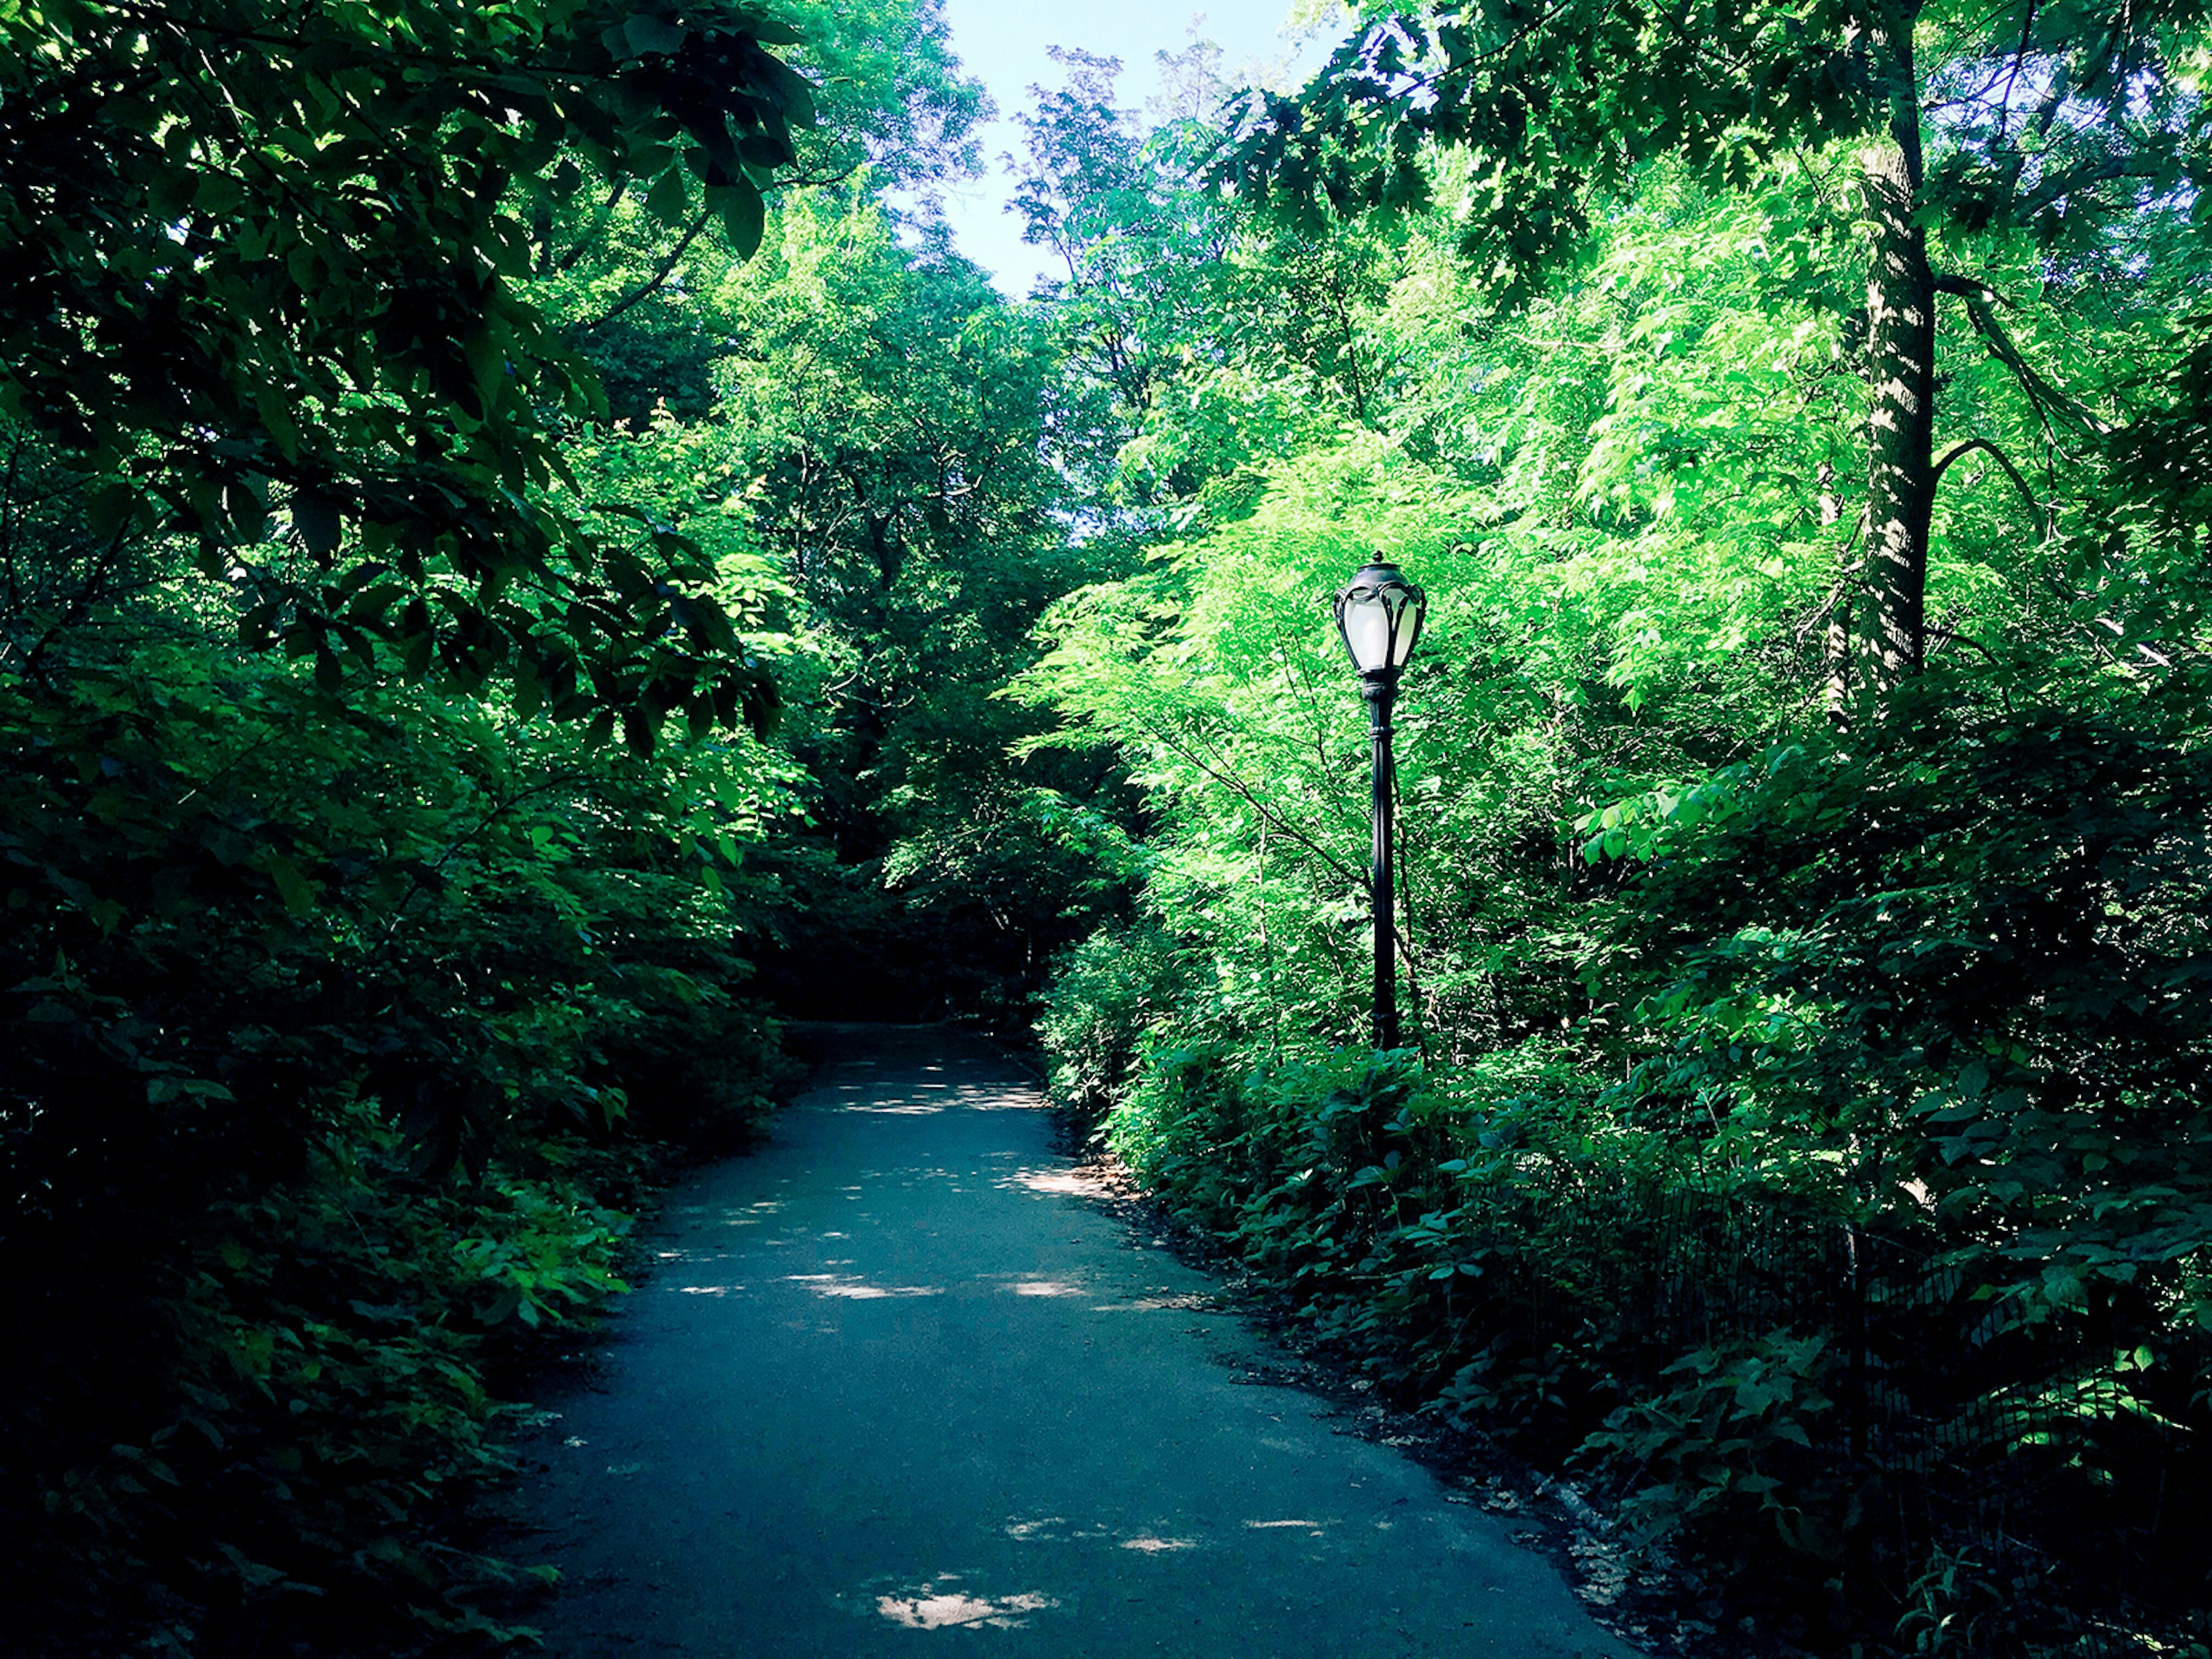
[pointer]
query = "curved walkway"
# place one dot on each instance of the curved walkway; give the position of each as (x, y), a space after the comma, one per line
(896, 1387)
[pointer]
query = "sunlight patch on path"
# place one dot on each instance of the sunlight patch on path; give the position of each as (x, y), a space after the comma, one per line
(1058, 1181)
(1186, 1303)
(927, 1100)
(934, 1605)
(1057, 1530)
(855, 1289)
(769, 1458)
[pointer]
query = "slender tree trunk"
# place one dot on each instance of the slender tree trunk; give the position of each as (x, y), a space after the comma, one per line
(1891, 618)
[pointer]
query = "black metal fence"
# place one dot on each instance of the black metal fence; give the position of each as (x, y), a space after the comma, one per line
(2038, 1478)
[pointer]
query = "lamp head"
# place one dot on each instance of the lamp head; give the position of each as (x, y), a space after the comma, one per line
(1379, 614)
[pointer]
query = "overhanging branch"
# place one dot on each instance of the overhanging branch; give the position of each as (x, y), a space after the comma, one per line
(652, 285)
(2004, 460)
(2045, 396)
(1221, 774)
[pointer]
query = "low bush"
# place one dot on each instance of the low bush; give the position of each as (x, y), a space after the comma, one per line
(342, 1046)
(1751, 1372)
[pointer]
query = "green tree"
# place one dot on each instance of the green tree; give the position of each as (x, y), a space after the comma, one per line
(1971, 135)
(1197, 338)
(267, 263)
(883, 423)
(893, 113)
(341, 983)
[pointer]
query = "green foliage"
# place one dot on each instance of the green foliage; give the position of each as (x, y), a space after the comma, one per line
(398, 407)
(900, 486)
(328, 1418)
(1953, 1607)
(1192, 342)
(393, 418)
(268, 273)
(1713, 993)
(1559, 107)
(316, 1011)
(1114, 994)
(1983, 967)
(1411, 1217)
(1726, 1453)
(1991, 155)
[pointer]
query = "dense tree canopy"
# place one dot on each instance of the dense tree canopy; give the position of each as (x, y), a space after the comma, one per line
(269, 262)
(372, 459)
(528, 559)
(2039, 147)
(1802, 849)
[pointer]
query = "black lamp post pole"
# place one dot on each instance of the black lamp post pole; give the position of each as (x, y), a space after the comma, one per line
(1379, 614)
(1381, 691)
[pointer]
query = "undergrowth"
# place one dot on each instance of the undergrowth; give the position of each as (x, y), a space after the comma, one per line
(1497, 1250)
(274, 1437)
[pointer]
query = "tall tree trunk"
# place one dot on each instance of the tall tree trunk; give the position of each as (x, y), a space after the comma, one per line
(1891, 617)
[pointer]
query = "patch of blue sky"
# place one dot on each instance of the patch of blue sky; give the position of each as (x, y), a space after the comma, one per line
(1006, 43)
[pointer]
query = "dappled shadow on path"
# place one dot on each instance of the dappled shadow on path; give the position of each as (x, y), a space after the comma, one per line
(860, 1402)
(925, 1100)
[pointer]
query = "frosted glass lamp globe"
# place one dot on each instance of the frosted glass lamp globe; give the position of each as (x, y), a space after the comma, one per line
(1379, 614)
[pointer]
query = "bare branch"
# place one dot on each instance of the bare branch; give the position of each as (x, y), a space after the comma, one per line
(2019, 57)
(601, 216)
(1268, 814)
(1961, 639)
(2106, 170)
(819, 180)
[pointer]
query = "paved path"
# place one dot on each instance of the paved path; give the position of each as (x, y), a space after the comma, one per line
(896, 1386)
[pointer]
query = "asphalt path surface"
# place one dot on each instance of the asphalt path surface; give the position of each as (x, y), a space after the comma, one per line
(899, 1384)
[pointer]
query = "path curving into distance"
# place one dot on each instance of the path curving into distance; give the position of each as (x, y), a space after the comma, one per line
(895, 1385)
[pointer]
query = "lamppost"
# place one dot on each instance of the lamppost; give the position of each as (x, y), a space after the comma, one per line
(1379, 614)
